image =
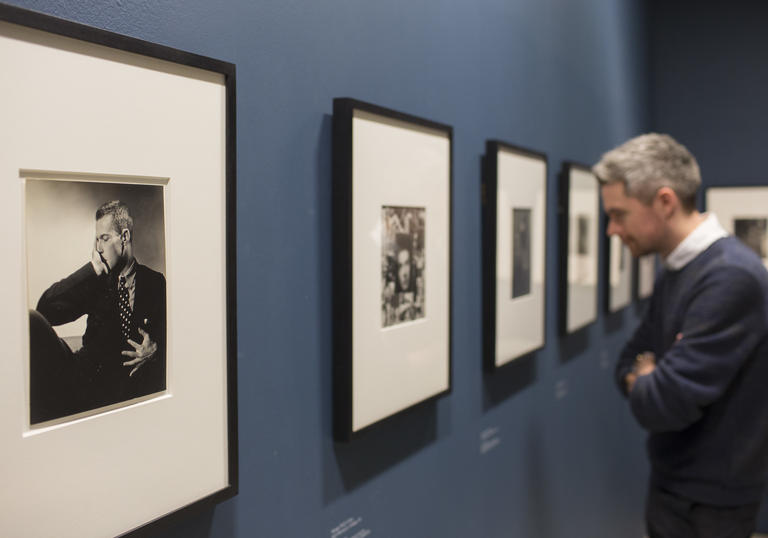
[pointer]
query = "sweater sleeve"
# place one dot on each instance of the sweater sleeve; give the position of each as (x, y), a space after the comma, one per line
(641, 341)
(722, 324)
(67, 299)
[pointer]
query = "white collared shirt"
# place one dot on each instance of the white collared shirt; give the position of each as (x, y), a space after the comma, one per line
(706, 233)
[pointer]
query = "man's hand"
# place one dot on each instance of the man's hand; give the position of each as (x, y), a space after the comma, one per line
(98, 262)
(645, 363)
(143, 352)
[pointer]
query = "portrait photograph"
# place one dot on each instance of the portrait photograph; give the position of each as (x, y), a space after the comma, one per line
(521, 251)
(582, 258)
(402, 264)
(96, 294)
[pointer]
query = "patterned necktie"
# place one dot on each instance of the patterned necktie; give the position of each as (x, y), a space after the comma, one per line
(124, 308)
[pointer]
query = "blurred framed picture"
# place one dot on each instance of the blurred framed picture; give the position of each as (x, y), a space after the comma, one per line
(743, 212)
(618, 275)
(645, 275)
(118, 172)
(579, 243)
(392, 237)
(514, 252)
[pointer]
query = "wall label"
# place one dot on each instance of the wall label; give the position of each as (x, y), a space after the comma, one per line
(489, 439)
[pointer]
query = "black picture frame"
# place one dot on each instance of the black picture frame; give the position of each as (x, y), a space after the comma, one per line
(381, 177)
(579, 240)
(104, 46)
(511, 329)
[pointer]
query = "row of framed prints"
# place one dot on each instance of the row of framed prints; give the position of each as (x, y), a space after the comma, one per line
(392, 240)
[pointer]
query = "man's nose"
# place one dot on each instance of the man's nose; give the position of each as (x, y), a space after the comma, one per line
(612, 229)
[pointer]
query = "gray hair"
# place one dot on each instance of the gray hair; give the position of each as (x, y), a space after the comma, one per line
(121, 215)
(648, 162)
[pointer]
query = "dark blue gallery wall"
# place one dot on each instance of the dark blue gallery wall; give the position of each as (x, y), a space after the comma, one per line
(710, 77)
(709, 74)
(566, 77)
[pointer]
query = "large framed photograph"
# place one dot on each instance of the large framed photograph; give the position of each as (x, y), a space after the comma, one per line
(514, 253)
(743, 212)
(618, 275)
(579, 202)
(117, 193)
(392, 237)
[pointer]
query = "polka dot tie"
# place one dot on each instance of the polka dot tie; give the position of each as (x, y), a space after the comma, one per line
(124, 308)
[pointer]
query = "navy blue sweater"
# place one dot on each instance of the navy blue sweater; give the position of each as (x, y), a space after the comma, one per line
(706, 404)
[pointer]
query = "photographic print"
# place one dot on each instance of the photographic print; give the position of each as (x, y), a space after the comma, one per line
(97, 319)
(402, 260)
(743, 212)
(514, 253)
(118, 243)
(582, 235)
(521, 251)
(752, 232)
(579, 238)
(391, 263)
(619, 275)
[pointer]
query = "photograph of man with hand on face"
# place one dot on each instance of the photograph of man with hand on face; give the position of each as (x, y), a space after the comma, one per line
(121, 355)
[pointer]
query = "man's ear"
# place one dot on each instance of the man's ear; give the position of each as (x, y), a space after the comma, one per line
(666, 201)
(125, 235)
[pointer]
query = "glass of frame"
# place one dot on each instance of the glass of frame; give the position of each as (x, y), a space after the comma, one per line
(392, 237)
(579, 239)
(646, 275)
(743, 212)
(113, 419)
(618, 275)
(514, 253)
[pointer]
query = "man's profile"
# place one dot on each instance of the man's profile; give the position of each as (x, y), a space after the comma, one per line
(122, 352)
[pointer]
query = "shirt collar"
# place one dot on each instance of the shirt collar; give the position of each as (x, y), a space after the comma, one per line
(129, 272)
(706, 233)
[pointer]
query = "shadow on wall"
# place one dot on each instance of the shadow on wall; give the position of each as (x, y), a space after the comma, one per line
(505, 382)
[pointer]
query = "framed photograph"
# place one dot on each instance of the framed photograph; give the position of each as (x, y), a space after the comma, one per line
(579, 205)
(743, 212)
(392, 277)
(618, 274)
(646, 275)
(117, 189)
(514, 253)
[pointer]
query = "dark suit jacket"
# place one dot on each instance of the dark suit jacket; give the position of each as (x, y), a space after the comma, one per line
(103, 379)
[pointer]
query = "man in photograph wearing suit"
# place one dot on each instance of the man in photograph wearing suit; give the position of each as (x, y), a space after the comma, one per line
(123, 349)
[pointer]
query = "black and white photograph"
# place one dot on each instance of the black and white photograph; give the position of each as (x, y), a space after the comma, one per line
(582, 257)
(402, 264)
(96, 295)
(582, 238)
(752, 232)
(521, 251)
